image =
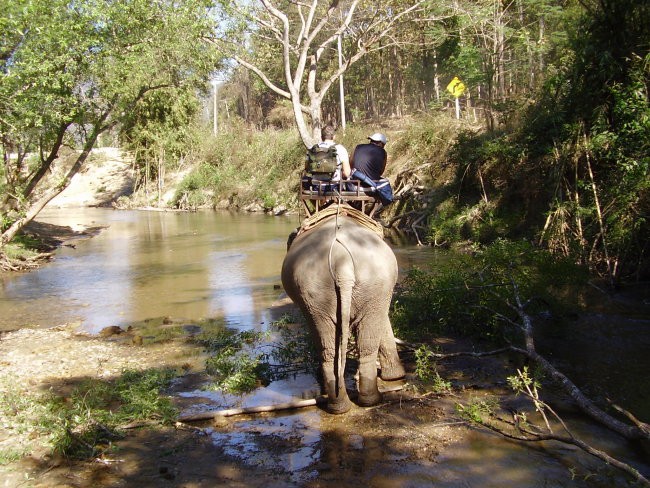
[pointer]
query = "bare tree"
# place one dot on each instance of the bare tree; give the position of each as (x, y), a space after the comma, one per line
(305, 33)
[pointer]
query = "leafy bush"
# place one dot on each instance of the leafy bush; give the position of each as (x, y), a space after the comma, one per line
(472, 294)
(233, 372)
(235, 363)
(84, 424)
(426, 370)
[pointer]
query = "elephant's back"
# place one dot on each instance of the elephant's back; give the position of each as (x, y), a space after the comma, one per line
(358, 238)
(371, 255)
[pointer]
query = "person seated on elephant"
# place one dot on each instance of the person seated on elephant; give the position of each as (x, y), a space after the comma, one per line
(368, 164)
(328, 133)
(370, 158)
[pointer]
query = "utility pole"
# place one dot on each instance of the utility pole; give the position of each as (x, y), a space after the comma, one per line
(215, 86)
(341, 92)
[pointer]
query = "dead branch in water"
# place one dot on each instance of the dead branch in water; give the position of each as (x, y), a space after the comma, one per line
(247, 410)
(638, 431)
(524, 431)
(26, 263)
(528, 432)
(230, 412)
(632, 432)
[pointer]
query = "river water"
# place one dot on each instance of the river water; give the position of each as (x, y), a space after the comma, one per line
(147, 264)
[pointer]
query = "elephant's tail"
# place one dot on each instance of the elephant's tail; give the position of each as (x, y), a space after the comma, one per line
(343, 307)
(343, 285)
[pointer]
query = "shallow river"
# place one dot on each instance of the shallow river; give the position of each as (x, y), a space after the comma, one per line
(155, 264)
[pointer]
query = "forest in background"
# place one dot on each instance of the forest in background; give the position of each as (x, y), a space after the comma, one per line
(552, 143)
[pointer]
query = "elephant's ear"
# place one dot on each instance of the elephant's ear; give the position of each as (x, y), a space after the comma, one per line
(292, 237)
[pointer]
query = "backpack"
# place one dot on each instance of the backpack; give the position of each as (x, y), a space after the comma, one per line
(322, 160)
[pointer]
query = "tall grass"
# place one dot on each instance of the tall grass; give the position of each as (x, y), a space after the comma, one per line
(243, 166)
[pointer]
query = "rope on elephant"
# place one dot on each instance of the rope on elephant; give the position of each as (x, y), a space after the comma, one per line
(341, 209)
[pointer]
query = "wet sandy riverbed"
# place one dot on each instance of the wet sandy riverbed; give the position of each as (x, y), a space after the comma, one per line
(412, 439)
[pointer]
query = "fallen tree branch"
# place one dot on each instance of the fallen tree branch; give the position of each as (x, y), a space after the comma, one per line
(246, 410)
(639, 430)
(632, 432)
(524, 384)
(394, 219)
(437, 355)
(568, 439)
(641, 425)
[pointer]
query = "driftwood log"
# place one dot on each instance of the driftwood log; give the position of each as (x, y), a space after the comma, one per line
(194, 417)
(211, 414)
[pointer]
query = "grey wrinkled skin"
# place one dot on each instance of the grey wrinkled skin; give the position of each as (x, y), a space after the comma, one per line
(342, 279)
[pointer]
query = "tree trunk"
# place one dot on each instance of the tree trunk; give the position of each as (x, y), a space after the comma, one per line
(47, 163)
(37, 206)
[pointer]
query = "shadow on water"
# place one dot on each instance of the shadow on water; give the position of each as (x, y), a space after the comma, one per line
(604, 350)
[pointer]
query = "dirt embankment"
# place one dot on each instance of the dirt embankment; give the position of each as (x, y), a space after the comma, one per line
(107, 175)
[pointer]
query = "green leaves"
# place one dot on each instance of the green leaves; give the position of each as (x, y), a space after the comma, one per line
(475, 295)
(71, 70)
(84, 423)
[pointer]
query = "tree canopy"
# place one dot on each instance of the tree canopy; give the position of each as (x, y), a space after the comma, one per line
(300, 50)
(71, 70)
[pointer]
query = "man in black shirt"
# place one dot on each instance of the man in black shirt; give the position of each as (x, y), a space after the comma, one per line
(371, 158)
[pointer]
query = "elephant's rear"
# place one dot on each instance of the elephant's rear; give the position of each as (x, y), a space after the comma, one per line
(341, 273)
(343, 250)
(305, 267)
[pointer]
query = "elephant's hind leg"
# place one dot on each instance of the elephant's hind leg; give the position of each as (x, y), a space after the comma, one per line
(338, 400)
(368, 392)
(389, 360)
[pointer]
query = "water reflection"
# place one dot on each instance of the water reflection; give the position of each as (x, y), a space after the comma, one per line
(253, 440)
(153, 264)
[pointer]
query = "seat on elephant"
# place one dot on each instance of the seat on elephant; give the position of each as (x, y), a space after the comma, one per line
(342, 210)
(317, 194)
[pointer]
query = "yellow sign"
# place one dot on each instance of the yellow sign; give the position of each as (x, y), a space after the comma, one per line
(456, 87)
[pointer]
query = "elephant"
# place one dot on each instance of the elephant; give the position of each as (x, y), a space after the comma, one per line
(341, 274)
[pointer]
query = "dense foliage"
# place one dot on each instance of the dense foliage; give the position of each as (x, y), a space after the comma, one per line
(70, 71)
(474, 295)
(575, 169)
(558, 92)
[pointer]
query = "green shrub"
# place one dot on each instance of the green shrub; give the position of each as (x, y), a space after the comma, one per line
(232, 371)
(85, 423)
(472, 295)
(426, 370)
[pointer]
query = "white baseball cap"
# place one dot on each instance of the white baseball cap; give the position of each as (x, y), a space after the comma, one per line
(378, 137)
